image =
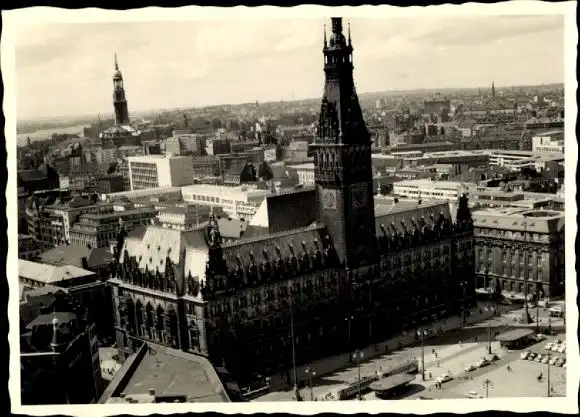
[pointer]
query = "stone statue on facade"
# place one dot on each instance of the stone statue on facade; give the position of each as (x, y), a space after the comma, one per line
(213, 236)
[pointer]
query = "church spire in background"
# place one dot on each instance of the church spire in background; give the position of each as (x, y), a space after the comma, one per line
(119, 100)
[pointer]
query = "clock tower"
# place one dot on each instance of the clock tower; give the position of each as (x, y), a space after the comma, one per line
(342, 158)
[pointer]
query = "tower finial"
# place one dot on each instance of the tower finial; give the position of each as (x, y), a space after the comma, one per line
(116, 63)
(56, 342)
(336, 25)
(349, 41)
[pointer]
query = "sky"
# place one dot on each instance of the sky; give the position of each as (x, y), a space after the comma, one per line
(66, 69)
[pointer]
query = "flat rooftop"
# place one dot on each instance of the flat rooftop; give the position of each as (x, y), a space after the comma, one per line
(224, 190)
(391, 382)
(515, 334)
(154, 157)
(170, 372)
(303, 166)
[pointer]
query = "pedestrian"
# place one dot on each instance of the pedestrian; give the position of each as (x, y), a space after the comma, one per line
(430, 376)
(438, 364)
(475, 338)
(435, 355)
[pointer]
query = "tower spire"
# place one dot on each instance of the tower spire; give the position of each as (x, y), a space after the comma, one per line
(337, 25)
(57, 341)
(349, 40)
(119, 99)
(325, 41)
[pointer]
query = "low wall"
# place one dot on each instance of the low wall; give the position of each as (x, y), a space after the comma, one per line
(124, 374)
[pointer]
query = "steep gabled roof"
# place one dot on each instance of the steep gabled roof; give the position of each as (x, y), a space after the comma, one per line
(247, 247)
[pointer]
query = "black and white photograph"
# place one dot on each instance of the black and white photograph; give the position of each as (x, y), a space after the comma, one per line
(331, 206)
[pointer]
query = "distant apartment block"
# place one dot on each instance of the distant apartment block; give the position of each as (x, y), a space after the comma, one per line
(98, 230)
(426, 189)
(153, 171)
(237, 202)
(305, 173)
(110, 183)
(549, 142)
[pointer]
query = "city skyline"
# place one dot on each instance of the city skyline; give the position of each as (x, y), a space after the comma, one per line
(232, 62)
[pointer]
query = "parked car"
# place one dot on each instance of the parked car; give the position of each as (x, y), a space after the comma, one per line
(538, 358)
(470, 368)
(532, 356)
(549, 346)
(493, 358)
(505, 302)
(524, 355)
(545, 359)
(540, 337)
(562, 349)
(557, 363)
(482, 363)
(444, 378)
(555, 348)
(553, 360)
(473, 395)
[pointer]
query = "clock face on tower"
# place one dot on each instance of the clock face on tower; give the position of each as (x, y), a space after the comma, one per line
(329, 199)
(360, 197)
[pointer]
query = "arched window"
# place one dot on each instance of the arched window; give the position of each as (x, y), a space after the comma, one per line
(149, 320)
(140, 319)
(131, 325)
(160, 313)
(194, 336)
(173, 328)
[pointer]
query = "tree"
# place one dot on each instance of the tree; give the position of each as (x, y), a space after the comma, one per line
(112, 168)
(265, 172)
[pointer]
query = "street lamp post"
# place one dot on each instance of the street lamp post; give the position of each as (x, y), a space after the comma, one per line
(358, 355)
(537, 313)
(421, 333)
(463, 285)
(348, 320)
(549, 394)
(489, 332)
(526, 318)
(487, 383)
(296, 391)
(311, 373)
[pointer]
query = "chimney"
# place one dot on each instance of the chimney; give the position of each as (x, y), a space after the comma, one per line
(152, 392)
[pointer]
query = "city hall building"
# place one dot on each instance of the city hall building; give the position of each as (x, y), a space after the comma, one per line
(325, 267)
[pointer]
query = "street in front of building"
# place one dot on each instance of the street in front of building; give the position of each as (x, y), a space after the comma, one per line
(449, 353)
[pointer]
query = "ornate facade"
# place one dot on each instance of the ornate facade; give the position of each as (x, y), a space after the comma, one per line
(519, 248)
(350, 278)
